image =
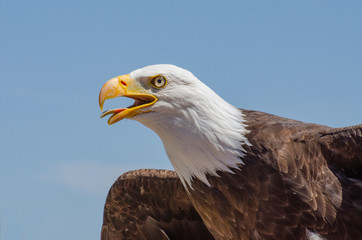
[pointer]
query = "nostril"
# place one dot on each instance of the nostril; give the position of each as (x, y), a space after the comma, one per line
(123, 83)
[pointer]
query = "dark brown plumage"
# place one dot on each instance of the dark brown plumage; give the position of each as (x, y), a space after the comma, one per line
(296, 176)
(151, 204)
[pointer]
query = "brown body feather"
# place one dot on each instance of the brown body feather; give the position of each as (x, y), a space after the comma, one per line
(296, 176)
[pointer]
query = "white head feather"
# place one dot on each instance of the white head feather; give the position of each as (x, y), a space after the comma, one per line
(200, 131)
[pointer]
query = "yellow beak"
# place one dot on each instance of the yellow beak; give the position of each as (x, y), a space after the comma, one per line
(124, 86)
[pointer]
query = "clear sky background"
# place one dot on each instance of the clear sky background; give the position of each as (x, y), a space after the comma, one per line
(297, 59)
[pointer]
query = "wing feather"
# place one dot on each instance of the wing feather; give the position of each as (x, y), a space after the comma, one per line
(342, 147)
(150, 204)
(322, 165)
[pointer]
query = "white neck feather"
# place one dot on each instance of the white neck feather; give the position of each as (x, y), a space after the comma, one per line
(201, 139)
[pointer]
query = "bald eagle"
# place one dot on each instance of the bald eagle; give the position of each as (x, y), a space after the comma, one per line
(239, 174)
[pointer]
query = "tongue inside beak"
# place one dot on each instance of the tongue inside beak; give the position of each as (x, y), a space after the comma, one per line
(112, 111)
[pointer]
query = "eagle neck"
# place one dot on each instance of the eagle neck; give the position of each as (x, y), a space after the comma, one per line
(201, 141)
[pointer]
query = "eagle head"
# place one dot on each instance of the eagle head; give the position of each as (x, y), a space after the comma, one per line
(159, 91)
(200, 131)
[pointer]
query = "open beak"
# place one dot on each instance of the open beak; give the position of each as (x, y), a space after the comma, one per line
(124, 86)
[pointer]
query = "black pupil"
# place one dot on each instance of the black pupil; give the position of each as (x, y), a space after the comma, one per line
(159, 80)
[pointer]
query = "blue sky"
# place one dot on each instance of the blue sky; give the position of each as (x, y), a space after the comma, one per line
(297, 59)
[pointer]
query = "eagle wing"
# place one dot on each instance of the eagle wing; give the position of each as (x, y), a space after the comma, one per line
(150, 204)
(320, 165)
(342, 147)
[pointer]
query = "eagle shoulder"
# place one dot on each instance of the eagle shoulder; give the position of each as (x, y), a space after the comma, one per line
(320, 164)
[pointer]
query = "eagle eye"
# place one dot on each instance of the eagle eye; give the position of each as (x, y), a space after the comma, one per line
(158, 81)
